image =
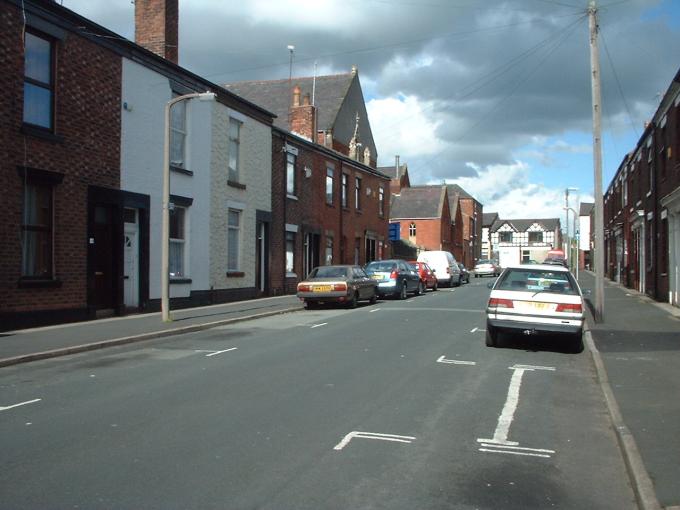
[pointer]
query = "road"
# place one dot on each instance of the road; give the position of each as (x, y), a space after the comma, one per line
(398, 405)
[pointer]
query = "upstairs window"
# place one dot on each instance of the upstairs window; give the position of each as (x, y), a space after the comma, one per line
(412, 230)
(329, 186)
(381, 201)
(178, 133)
(345, 190)
(290, 173)
(38, 81)
(234, 149)
(505, 237)
(535, 237)
(357, 192)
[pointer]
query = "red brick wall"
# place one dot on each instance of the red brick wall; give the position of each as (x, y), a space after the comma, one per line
(86, 152)
(157, 27)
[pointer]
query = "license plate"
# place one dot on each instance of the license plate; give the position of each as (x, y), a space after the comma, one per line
(321, 288)
(376, 277)
(541, 306)
(531, 305)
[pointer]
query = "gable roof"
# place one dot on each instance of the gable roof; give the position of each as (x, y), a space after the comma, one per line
(522, 225)
(488, 219)
(460, 191)
(418, 203)
(586, 208)
(276, 95)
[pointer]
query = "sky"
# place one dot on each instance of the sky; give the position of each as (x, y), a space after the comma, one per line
(494, 95)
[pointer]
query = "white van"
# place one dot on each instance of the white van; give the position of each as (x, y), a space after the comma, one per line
(445, 266)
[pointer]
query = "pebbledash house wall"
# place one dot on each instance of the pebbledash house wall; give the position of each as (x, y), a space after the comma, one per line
(252, 198)
(83, 148)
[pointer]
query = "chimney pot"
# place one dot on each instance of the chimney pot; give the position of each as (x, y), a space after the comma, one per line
(296, 96)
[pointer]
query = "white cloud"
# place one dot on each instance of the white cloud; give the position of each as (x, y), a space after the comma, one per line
(400, 126)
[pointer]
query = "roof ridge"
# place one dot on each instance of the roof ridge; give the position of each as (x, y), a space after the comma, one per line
(283, 80)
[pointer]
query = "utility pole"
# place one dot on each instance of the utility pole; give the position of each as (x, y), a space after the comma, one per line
(597, 163)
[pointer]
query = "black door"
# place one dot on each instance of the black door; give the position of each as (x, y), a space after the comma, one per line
(101, 239)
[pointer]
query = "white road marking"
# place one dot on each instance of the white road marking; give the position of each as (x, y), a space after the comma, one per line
(442, 359)
(318, 325)
(20, 404)
(503, 447)
(372, 435)
(215, 353)
(515, 453)
(473, 330)
(374, 310)
(500, 437)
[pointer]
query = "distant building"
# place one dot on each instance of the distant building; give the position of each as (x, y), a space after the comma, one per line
(524, 240)
(424, 217)
(585, 212)
(488, 220)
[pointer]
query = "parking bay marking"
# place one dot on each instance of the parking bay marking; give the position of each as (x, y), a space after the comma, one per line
(372, 435)
(319, 325)
(5, 408)
(500, 443)
(215, 353)
(442, 359)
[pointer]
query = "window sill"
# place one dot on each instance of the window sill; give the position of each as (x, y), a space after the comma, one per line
(358, 211)
(235, 274)
(42, 133)
(330, 205)
(179, 281)
(236, 185)
(29, 283)
(180, 170)
(292, 197)
(291, 275)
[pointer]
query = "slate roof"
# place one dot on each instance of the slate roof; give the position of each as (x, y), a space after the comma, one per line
(488, 219)
(391, 171)
(460, 191)
(522, 225)
(586, 208)
(276, 96)
(418, 202)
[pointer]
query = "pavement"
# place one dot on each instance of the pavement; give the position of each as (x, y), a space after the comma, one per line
(636, 349)
(26, 345)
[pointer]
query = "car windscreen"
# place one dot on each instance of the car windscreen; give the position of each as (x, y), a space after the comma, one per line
(532, 280)
(381, 266)
(329, 272)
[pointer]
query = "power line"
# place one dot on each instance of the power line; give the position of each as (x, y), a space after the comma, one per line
(618, 83)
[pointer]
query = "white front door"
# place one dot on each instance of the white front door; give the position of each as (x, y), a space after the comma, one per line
(131, 259)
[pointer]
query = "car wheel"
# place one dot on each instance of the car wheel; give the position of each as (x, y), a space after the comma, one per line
(436, 286)
(402, 292)
(311, 305)
(420, 290)
(374, 299)
(577, 342)
(491, 336)
(352, 303)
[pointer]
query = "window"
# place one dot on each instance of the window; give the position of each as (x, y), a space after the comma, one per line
(178, 133)
(412, 230)
(381, 201)
(177, 241)
(357, 192)
(624, 193)
(234, 240)
(234, 149)
(505, 237)
(36, 232)
(345, 190)
(38, 81)
(329, 186)
(329, 250)
(535, 237)
(526, 255)
(290, 252)
(290, 173)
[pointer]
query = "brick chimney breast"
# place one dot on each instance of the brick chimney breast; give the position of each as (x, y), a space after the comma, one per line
(157, 27)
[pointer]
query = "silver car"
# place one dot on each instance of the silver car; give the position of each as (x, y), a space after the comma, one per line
(337, 284)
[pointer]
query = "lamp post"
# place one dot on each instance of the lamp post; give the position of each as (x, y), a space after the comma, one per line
(567, 208)
(165, 242)
(574, 233)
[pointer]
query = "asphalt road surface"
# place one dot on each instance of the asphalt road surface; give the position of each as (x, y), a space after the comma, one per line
(397, 405)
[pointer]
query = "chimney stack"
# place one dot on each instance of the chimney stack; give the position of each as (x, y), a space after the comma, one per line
(303, 116)
(157, 27)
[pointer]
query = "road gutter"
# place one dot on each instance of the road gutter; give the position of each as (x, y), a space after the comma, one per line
(637, 473)
(64, 351)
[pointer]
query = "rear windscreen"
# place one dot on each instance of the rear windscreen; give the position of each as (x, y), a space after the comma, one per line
(381, 266)
(330, 272)
(558, 282)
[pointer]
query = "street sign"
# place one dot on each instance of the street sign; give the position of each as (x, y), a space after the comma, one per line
(395, 231)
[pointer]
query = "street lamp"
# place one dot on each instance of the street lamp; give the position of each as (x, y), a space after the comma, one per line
(577, 241)
(165, 243)
(566, 207)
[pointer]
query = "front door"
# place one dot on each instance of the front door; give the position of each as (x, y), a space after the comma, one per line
(312, 242)
(131, 259)
(261, 257)
(103, 260)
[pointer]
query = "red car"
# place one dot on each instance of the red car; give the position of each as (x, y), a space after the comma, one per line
(426, 274)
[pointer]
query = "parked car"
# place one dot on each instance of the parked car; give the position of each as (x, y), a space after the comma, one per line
(555, 261)
(444, 266)
(535, 299)
(426, 274)
(486, 267)
(395, 278)
(337, 284)
(464, 273)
